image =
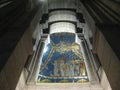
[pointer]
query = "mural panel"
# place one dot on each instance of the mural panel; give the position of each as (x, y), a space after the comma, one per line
(63, 62)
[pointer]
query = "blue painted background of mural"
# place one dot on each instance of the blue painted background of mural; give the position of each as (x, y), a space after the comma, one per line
(64, 37)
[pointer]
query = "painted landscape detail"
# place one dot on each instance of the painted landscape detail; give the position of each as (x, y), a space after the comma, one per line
(63, 61)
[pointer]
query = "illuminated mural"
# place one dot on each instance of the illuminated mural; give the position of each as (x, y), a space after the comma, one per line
(63, 61)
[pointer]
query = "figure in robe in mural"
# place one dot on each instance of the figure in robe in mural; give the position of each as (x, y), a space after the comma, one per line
(69, 68)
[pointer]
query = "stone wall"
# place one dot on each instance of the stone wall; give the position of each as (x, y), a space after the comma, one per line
(109, 60)
(11, 72)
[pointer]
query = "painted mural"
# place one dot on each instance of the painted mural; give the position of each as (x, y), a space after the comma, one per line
(63, 61)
